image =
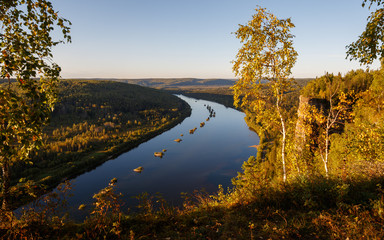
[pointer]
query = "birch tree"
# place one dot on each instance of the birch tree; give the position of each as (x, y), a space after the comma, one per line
(26, 102)
(369, 46)
(263, 65)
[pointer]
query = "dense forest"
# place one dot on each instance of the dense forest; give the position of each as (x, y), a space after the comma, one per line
(179, 83)
(356, 100)
(95, 121)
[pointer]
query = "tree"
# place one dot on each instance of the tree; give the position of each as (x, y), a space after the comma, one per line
(263, 65)
(376, 90)
(378, 2)
(26, 41)
(369, 45)
(337, 114)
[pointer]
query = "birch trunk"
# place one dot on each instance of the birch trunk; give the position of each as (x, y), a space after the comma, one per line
(6, 186)
(283, 131)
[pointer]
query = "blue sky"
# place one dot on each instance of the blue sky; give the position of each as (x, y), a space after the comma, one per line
(192, 38)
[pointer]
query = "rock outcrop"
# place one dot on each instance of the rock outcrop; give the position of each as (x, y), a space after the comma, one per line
(305, 114)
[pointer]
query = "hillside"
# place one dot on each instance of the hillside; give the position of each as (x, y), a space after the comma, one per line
(179, 82)
(175, 83)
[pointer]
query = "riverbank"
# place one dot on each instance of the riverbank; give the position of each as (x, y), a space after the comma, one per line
(90, 160)
(219, 95)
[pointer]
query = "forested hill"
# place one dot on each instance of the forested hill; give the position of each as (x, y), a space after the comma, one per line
(95, 121)
(165, 83)
(94, 99)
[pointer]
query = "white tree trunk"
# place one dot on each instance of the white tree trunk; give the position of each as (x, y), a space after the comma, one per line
(325, 159)
(283, 140)
(6, 186)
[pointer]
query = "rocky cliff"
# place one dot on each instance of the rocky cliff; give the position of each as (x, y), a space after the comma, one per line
(305, 122)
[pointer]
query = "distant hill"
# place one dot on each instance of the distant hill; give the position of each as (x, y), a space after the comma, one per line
(187, 83)
(213, 89)
(175, 83)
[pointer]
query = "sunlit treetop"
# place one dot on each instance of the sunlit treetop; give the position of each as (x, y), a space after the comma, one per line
(369, 46)
(26, 38)
(371, 2)
(266, 56)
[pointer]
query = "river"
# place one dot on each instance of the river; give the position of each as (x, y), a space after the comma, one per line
(211, 156)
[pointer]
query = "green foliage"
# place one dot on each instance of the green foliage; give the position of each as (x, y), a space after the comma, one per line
(375, 95)
(356, 101)
(378, 2)
(267, 55)
(369, 45)
(25, 106)
(322, 87)
(359, 149)
(97, 100)
(263, 65)
(255, 178)
(105, 219)
(268, 130)
(42, 219)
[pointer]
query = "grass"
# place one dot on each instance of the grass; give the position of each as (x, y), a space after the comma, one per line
(303, 208)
